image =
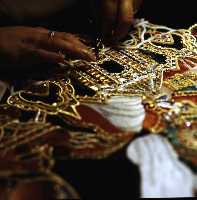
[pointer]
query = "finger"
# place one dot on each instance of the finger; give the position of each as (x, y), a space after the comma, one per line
(75, 39)
(136, 5)
(75, 51)
(109, 15)
(42, 29)
(36, 56)
(68, 46)
(82, 44)
(124, 19)
(49, 56)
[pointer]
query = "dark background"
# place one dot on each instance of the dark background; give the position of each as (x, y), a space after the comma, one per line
(174, 13)
(111, 178)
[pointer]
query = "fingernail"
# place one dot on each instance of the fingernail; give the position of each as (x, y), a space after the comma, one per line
(89, 55)
(61, 54)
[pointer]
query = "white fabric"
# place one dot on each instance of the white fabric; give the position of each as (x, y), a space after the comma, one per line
(162, 174)
(127, 113)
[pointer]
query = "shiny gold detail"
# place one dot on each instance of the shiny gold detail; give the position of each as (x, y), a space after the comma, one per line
(56, 99)
(138, 65)
(92, 142)
(180, 81)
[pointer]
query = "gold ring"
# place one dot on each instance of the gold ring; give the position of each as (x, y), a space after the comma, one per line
(51, 35)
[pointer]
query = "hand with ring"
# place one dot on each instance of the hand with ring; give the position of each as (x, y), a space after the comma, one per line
(23, 46)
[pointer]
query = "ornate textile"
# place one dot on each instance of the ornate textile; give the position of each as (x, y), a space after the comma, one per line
(64, 116)
(157, 63)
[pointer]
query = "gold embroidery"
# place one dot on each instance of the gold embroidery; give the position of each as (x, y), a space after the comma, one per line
(55, 100)
(180, 81)
(138, 65)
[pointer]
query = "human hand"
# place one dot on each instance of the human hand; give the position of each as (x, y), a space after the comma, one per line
(26, 46)
(116, 17)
